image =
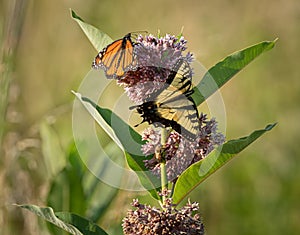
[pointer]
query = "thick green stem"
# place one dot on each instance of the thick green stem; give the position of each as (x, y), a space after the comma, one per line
(163, 171)
(164, 180)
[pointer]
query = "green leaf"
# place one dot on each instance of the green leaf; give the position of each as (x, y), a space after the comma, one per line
(62, 194)
(98, 38)
(129, 141)
(147, 179)
(69, 222)
(53, 153)
(85, 226)
(127, 137)
(95, 189)
(47, 213)
(199, 171)
(223, 71)
(84, 198)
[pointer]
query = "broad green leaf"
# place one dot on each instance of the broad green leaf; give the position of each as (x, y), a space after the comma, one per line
(223, 71)
(119, 131)
(147, 179)
(83, 225)
(98, 38)
(130, 142)
(199, 171)
(47, 213)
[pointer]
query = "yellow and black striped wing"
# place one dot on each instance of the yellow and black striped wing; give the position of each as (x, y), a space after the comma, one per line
(175, 104)
(172, 105)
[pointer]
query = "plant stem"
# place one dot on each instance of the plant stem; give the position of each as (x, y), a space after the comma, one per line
(164, 181)
(163, 171)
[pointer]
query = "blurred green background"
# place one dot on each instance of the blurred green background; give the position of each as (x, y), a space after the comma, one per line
(44, 55)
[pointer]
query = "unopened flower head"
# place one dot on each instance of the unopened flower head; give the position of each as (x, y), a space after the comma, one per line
(150, 220)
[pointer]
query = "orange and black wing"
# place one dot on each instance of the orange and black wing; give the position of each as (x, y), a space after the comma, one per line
(117, 58)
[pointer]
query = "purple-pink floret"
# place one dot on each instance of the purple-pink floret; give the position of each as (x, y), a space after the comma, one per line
(155, 57)
(145, 219)
(179, 152)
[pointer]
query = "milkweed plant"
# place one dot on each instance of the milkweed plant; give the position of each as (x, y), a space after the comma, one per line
(179, 147)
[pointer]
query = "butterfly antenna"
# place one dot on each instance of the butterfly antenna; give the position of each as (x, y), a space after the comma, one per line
(133, 107)
(135, 33)
(139, 31)
(139, 123)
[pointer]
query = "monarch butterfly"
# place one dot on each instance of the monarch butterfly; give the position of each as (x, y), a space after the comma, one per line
(116, 58)
(172, 105)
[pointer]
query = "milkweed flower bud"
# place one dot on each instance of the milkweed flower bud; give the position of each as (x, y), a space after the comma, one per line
(150, 220)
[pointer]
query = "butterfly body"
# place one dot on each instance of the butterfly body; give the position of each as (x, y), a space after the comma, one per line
(172, 106)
